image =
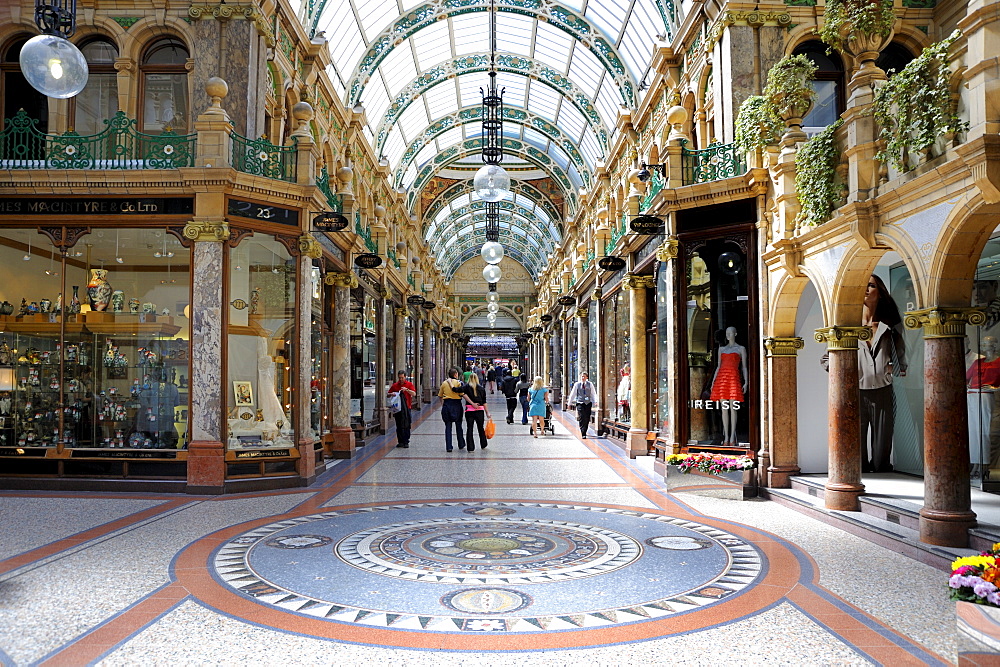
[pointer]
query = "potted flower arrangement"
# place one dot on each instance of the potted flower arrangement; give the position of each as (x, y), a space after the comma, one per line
(973, 584)
(790, 92)
(715, 475)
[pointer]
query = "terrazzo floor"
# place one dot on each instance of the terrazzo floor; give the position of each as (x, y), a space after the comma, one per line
(548, 551)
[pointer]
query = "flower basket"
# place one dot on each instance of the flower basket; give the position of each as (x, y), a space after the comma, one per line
(712, 475)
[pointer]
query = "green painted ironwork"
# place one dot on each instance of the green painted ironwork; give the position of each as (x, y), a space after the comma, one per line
(655, 185)
(920, 4)
(118, 146)
(409, 279)
(716, 162)
(393, 257)
(589, 260)
(323, 183)
(262, 158)
(800, 3)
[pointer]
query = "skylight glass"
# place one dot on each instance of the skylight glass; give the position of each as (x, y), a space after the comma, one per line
(513, 33)
(607, 15)
(433, 45)
(376, 16)
(398, 69)
(552, 47)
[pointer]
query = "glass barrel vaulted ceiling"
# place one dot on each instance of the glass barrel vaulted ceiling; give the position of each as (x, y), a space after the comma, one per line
(417, 68)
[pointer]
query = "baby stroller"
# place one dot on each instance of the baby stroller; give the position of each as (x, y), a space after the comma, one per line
(548, 424)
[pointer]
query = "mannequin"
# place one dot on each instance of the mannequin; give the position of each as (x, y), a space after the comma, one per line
(625, 393)
(698, 289)
(728, 385)
(983, 378)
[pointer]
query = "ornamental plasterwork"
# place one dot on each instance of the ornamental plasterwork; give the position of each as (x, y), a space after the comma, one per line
(206, 230)
(941, 322)
(451, 263)
(465, 187)
(458, 227)
(478, 237)
(236, 10)
(479, 62)
(471, 115)
(479, 206)
(755, 19)
(473, 146)
(558, 16)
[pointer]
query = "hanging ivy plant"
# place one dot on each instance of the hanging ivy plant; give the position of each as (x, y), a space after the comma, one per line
(816, 176)
(788, 86)
(915, 107)
(757, 124)
(871, 17)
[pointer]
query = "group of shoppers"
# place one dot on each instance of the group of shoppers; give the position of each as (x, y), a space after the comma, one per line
(464, 398)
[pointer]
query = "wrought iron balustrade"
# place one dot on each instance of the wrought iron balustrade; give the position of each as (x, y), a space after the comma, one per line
(714, 163)
(260, 157)
(323, 183)
(118, 146)
(656, 184)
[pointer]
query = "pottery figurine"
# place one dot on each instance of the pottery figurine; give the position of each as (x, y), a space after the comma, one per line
(45, 305)
(6, 308)
(74, 304)
(133, 305)
(118, 301)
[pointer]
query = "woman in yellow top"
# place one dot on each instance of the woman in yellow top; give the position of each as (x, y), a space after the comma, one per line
(451, 392)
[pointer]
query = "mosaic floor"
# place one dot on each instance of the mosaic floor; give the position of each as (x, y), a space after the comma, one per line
(549, 551)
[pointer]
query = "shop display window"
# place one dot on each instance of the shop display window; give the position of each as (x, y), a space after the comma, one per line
(572, 342)
(364, 372)
(609, 369)
(592, 315)
(982, 361)
(622, 365)
(94, 349)
(317, 377)
(389, 322)
(261, 333)
(663, 345)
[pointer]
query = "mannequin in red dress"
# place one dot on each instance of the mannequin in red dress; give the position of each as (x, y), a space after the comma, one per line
(729, 385)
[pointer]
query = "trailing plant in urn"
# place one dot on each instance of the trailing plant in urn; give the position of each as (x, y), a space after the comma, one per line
(789, 86)
(816, 176)
(757, 124)
(915, 107)
(845, 21)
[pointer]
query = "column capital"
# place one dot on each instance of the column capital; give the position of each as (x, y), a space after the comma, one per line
(206, 230)
(667, 250)
(944, 322)
(842, 338)
(633, 281)
(582, 312)
(384, 293)
(310, 247)
(344, 279)
(783, 347)
(401, 312)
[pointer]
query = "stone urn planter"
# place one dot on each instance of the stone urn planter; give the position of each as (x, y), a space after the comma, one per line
(978, 637)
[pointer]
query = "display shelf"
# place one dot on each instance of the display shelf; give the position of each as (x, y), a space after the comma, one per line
(149, 329)
(40, 328)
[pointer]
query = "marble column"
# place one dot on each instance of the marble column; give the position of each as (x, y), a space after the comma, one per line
(783, 427)
(418, 363)
(381, 362)
(636, 286)
(843, 486)
(547, 360)
(400, 340)
(582, 342)
(947, 515)
(596, 364)
(426, 379)
(340, 361)
(302, 397)
(206, 464)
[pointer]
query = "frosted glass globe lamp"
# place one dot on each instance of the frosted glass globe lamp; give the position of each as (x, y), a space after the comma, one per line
(54, 66)
(492, 273)
(492, 307)
(492, 252)
(492, 317)
(491, 183)
(493, 297)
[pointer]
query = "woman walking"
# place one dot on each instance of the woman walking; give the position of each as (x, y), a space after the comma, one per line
(538, 396)
(406, 392)
(475, 413)
(451, 393)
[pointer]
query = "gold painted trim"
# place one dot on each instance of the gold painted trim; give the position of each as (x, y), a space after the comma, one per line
(668, 250)
(842, 338)
(783, 347)
(632, 281)
(345, 279)
(224, 12)
(944, 322)
(206, 230)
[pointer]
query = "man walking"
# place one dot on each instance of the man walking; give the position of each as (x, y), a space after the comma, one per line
(583, 396)
(522, 393)
(509, 389)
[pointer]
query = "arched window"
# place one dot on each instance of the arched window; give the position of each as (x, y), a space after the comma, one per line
(15, 92)
(99, 100)
(893, 58)
(164, 97)
(829, 85)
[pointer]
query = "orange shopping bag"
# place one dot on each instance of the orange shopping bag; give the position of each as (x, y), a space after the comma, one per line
(491, 429)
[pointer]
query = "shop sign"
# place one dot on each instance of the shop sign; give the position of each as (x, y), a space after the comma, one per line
(367, 260)
(263, 454)
(446, 329)
(415, 300)
(122, 454)
(330, 221)
(535, 329)
(22, 451)
(262, 212)
(101, 206)
(701, 404)
(428, 305)
(646, 224)
(546, 318)
(611, 263)
(566, 300)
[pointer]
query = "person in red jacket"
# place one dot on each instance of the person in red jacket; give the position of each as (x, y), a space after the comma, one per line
(406, 392)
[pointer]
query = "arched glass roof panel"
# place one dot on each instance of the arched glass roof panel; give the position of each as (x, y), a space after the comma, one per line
(552, 46)
(432, 45)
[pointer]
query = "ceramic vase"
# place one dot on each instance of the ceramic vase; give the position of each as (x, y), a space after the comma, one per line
(99, 290)
(74, 304)
(118, 301)
(6, 308)
(133, 305)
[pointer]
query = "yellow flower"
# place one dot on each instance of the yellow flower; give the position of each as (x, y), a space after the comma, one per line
(981, 562)
(995, 547)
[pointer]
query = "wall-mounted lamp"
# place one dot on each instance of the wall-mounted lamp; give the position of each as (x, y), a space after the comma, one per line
(644, 173)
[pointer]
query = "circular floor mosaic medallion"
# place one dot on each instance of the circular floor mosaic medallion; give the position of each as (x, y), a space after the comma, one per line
(519, 568)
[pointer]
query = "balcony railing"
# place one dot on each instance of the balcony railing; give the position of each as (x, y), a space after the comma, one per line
(714, 163)
(118, 146)
(323, 183)
(260, 157)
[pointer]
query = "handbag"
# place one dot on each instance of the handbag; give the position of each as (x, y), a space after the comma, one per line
(491, 429)
(394, 403)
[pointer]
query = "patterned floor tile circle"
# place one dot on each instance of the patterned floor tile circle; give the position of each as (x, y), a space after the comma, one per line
(502, 567)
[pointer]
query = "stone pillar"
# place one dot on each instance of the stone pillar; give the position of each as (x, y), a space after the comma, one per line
(381, 362)
(597, 363)
(206, 464)
(427, 378)
(557, 361)
(340, 371)
(582, 342)
(546, 350)
(636, 286)
(309, 249)
(400, 340)
(947, 515)
(843, 486)
(782, 452)
(418, 363)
